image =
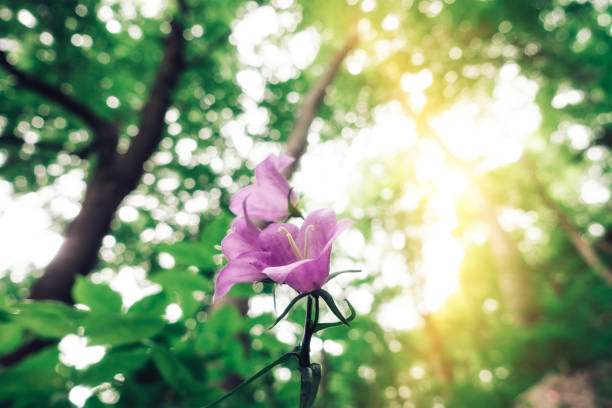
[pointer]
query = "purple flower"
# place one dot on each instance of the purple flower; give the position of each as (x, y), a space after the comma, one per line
(284, 253)
(300, 257)
(269, 196)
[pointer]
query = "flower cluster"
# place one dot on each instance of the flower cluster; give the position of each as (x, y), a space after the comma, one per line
(281, 252)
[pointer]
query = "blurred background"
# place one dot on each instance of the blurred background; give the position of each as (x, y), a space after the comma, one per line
(468, 139)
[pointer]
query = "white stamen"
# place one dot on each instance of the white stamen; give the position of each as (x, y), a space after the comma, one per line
(291, 242)
(308, 229)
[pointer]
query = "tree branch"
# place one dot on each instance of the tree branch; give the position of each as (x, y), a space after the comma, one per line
(151, 126)
(295, 147)
(105, 133)
(53, 93)
(110, 183)
(297, 140)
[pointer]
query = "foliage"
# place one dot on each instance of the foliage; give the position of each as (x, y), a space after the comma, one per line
(523, 307)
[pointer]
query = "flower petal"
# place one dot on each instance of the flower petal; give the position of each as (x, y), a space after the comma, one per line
(319, 226)
(282, 161)
(268, 197)
(275, 241)
(239, 271)
(238, 200)
(312, 274)
(280, 273)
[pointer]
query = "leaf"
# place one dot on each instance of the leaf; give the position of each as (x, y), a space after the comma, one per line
(214, 231)
(34, 375)
(310, 380)
(99, 297)
(332, 305)
(261, 372)
(288, 308)
(15, 382)
(173, 370)
(11, 336)
(200, 254)
(323, 326)
(152, 305)
(190, 253)
(181, 285)
(335, 274)
(49, 319)
(115, 362)
(115, 330)
(47, 358)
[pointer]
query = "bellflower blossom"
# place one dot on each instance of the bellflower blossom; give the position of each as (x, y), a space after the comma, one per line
(284, 253)
(270, 198)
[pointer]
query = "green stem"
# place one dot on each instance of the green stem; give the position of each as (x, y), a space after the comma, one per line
(308, 330)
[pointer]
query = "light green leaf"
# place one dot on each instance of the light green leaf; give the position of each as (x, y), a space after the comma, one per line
(153, 305)
(213, 232)
(99, 297)
(115, 362)
(190, 253)
(11, 335)
(173, 370)
(48, 318)
(180, 285)
(116, 330)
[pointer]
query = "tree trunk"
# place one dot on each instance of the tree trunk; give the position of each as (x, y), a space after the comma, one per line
(441, 365)
(112, 181)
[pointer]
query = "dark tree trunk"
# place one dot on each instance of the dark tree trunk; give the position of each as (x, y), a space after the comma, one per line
(112, 180)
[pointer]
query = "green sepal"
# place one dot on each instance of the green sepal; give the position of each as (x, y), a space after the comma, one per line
(261, 372)
(289, 306)
(323, 326)
(311, 378)
(332, 305)
(333, 275)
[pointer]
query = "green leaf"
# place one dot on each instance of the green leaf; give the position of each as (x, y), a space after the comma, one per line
(173, 370)
(261, 372)
(213, 232)
(35, 374)
(323, 326)
(201, 253)
(180, 285)
(335, 274)
(47, 358)
(116, 330)
(152, 305)
(11, 336)
(16, 382)
(99, 297)
(288, 308)
(114, 362)
(310, 380)
(190, 253)
(48, 318)
(332, 305)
